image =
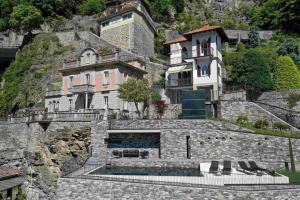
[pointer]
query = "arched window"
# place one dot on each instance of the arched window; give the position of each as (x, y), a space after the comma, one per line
(204, 47)
(198, 48)
(208, 47)
(184, 53)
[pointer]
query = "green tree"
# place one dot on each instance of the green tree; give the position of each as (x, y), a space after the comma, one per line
(286, 75)
(254, 39)
(25, 17)
(179, 5)
(90, 7)
(278, 14)
(136, 91)
(186, 22)
(159, 8)
(254, 72)
(290, 48)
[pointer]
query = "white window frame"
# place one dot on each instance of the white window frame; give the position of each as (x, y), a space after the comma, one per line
(106, 79)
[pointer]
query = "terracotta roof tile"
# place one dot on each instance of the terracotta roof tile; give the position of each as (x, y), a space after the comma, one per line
(207, 27)
(8, 172)
(176, 40)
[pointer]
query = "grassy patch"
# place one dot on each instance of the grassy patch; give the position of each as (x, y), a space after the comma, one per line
(270, 132)
(294, 177)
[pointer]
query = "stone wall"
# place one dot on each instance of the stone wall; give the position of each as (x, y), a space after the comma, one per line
(209, 140)
(40, 154)
(79, 189)
(276, 103)
(231, 110)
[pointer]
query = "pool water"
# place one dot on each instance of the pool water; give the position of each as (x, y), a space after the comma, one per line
(147, 171)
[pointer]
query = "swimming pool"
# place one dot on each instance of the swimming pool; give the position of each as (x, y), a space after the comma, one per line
(147, 171)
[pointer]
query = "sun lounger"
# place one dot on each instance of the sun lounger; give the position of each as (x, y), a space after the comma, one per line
(214, 167)
(245, 167)
(226, 167)
(255, 167)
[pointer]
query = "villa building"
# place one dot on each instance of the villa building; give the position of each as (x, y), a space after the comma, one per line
(91, 81)
(196, 63)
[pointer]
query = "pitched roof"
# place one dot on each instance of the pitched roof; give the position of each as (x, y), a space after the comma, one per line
(8, 172)
(176, 40)
(207, 27)
(203, 29)
(12, 182)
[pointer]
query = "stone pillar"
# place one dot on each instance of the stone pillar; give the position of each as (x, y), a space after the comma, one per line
(86, 100)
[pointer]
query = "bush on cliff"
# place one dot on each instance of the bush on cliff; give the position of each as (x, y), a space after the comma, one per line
(286, 75)
(253, 72)
(90, 7)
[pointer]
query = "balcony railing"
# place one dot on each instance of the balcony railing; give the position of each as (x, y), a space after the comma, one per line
(179, 82)
(86, 88)
(100, 60)
(53, 93)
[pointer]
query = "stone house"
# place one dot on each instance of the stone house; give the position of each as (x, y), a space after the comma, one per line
(91, 82)
(196, 63)
(127, 24)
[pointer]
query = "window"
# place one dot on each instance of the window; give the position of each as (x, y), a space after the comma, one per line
(198, 48)
(127, 16)
(88, 58)
(205, 70)
(198, 70)
(106, 23)
(126, 76)
(204, 47)
(70, 104)
(106, 77)
(88, 79)
(106, 100)
(184, 53)
(71, 81)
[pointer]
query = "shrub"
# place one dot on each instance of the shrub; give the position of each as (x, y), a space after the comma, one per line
(286, 75)
(281, 126)
(254, 72)
(91, 7)
(254, 39)
(155, 96)
(242, 120)
(291, 48)
(293, 99)
(261, 123)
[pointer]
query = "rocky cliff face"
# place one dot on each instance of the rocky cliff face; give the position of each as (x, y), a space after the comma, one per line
(42, 155)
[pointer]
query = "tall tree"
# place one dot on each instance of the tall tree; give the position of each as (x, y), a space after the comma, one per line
(136, 91)
(286, 75)
(254, 72)
(25, 18)
(254, 39)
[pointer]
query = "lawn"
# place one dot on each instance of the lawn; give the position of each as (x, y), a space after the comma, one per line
(293, 176)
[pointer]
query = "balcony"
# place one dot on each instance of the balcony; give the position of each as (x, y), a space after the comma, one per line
(184, 82)
(53, 93)
(85, 88)
(101, 59)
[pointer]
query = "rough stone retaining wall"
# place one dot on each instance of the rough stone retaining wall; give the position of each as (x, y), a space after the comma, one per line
(21, 145)
(209, 140)
(84, 189)
(231, 110)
